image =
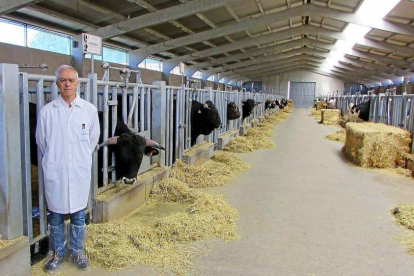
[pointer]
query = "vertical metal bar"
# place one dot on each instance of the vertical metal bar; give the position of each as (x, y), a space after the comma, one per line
(105, 134)
(114, 112)
(124, 105)
(42, 201)
(167, 120)
(148, 96)
(26, 164)
(93, 97)
(171, 120)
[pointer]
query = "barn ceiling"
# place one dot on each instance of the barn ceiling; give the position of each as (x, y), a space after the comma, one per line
(242, 39)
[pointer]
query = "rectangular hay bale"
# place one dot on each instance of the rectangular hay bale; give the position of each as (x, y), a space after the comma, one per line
(320, 105)
(290, 103)
(331, 116)
(376, 145)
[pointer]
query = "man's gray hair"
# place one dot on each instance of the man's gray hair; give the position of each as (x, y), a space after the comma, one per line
(64, 66)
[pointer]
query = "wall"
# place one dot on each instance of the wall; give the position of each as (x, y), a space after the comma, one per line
(278, 84)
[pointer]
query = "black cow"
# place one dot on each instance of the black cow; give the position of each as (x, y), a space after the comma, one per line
(128, 147)
(247, 108)
(233, 111)
(359, 111)
(204, 119)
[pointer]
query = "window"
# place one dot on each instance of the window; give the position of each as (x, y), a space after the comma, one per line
(211, 78)
(95, 57)
(151, 64)
(197, 75)
(48, 41)
(115, 55)
(28, 36)
(176, 70)
(12, 33)
(221, 81)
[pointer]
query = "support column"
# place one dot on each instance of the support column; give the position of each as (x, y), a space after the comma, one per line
(166, 68)
(77, 54)
(158, 118)
(11, 207)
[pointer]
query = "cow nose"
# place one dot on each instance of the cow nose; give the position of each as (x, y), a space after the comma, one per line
(129, 181)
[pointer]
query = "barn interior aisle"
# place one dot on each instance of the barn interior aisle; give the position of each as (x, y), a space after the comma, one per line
(305, 211)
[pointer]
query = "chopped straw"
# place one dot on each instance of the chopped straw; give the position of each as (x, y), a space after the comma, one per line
(218, 171)
(338, 136)
(404, 216)
(256, 138)
(4, 243)
(120, 244)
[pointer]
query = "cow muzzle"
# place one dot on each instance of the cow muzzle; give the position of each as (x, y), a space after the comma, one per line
(129, 181)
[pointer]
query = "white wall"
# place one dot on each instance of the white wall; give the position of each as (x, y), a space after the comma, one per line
(324, 84)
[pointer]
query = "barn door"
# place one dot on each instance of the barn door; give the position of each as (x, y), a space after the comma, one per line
(302, 94)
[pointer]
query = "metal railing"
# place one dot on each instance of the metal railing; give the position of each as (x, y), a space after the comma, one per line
(154, 111)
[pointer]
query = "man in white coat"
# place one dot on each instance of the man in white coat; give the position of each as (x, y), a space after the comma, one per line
(67, 133)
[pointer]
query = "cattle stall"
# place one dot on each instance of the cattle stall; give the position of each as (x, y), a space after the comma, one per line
(155, 111)
(394, 110)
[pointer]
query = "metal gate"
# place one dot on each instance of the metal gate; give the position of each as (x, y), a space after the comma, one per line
(302, 93)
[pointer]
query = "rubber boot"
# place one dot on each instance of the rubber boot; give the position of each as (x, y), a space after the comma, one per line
(56, 248)
(77, 235)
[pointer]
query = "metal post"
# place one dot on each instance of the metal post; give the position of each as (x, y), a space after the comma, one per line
(158, 114)
(11, 208)
(93, 97)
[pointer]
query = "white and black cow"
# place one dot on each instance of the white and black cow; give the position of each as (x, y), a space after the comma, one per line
(204, 119)
(359, 111)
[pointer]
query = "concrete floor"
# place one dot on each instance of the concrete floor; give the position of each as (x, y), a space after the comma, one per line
(304, 210)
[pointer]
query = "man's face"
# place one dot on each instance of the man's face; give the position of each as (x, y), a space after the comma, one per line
(67, 83)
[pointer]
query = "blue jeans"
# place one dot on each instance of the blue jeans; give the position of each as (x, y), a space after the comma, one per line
(77, 232)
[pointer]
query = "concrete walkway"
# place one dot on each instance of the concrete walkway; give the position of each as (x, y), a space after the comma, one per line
(304, 210)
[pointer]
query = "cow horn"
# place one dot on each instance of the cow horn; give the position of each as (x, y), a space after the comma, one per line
(109, 141)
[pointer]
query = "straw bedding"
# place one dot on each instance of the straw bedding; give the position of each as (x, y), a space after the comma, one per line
(404, 216)
(290, 103)
(376, 145)
(5, 243)
(338, 136)
(331, 116)
(120, 244)
(257, 138)
(315, 113)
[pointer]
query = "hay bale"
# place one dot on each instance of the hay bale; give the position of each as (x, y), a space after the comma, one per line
(338, 136)
(320, 105)
(290, 103)
(376, 145)
(331, 116)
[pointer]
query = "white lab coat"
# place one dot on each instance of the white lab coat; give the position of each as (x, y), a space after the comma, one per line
(66, 138)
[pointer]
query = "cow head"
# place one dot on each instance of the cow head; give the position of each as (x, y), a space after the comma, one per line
(247, 107)
(233, 111)
(204, 119)
(129, 150)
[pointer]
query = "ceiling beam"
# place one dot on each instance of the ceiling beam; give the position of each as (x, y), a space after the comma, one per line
(161, 16)
(8, 6)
